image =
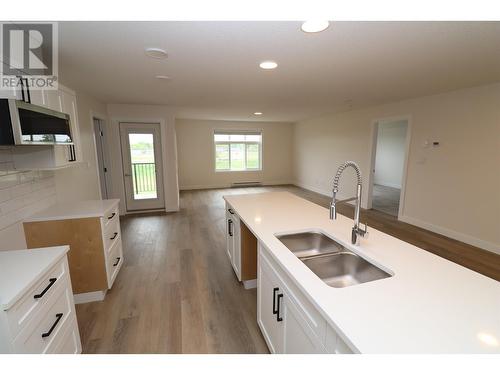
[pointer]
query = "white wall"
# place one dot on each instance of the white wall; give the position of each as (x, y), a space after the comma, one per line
(196, 153)
(451, 189)
(21, 195)
(80, 182)
(389, 161)
(149, 114)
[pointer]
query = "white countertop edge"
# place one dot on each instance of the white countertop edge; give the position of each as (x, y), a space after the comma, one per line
(73, 210)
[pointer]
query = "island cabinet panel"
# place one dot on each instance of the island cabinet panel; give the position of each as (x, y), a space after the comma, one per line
(86, 255)
(241, 247)
(284, 322)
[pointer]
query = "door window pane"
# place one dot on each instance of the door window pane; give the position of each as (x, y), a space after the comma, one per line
(142, 157)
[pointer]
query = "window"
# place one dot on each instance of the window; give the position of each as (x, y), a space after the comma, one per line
(238, 151)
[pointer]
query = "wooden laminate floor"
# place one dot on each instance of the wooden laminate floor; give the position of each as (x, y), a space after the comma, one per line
(177, 292)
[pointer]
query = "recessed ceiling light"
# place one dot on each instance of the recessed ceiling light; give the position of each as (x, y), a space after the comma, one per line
(163, 77)
(314, 26)
(257, 113)
(156, 53)
(268, 65)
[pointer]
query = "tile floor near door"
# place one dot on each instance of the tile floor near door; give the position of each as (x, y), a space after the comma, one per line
(177, 292)
(386, 199)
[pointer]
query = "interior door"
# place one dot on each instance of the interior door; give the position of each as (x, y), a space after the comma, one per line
(142, 166)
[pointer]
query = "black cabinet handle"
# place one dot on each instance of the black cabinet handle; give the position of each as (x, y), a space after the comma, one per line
(231, 211)
(114, 236)
(275, 310)
(51, 282)
(112, 216)
(117, 261)
(58, 318)
(278, 313)
(72, 153)
(230, 227)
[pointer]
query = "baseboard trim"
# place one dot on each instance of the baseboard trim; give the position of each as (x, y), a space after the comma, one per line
(250, 284)
(230, 185)
(388, 184)
(470, 240)
(89, 297)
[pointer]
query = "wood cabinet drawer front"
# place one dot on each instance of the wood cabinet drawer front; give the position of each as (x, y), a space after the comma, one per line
(111, 215)
(308, 311)
(40, 334)
(45, 291)
(114, 262)
(112, 234)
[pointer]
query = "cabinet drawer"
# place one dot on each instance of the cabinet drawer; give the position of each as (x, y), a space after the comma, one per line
(307, 310)
(112, 234)
(39, 335)
(42, 294)
(69, 342)
(114, 262)
(110, 215)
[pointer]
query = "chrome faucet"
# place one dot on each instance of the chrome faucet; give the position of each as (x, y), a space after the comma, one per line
(356, 230)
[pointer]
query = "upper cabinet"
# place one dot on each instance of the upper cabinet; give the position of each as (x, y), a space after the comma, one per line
(50, 156)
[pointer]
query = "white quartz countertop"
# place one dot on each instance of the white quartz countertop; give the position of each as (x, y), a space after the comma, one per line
(74, 210)
(429, 305)
(21, 269)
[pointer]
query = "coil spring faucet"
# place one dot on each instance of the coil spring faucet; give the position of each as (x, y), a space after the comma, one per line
(356, 230)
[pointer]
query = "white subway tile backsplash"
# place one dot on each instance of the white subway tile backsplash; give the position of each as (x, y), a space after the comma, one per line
(24, 193)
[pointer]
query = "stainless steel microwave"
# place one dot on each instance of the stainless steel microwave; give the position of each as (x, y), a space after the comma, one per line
(24, 123)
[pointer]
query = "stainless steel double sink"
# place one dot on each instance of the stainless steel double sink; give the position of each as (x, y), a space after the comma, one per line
(336, 265)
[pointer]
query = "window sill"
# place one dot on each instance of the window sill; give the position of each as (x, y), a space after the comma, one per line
(238, 171)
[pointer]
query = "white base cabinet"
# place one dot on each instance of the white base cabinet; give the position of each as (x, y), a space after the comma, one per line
(43, 320)
(233, 239)
(289, 323)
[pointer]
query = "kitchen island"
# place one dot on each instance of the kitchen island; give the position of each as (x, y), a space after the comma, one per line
(427, 305)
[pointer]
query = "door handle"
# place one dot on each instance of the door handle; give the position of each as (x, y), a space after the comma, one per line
(128, 175)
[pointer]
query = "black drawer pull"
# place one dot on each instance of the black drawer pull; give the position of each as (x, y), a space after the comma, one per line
(51, 282)
(275, 310)
(112, 216)
(230, 227)
(114, 236)
(231, 211)
(278, 313)
(58, 318)
(117, 261)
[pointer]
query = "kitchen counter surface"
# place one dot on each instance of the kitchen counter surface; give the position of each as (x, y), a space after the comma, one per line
(74, 210)
(20, 270)
(429, 305)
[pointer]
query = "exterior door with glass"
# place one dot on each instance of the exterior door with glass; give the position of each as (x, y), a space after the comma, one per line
(142, 166)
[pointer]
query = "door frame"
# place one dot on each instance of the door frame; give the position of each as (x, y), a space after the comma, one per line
(158, 157)
(373, 154)
(102, 177)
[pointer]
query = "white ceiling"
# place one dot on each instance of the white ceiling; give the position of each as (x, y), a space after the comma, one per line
(215, 73)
